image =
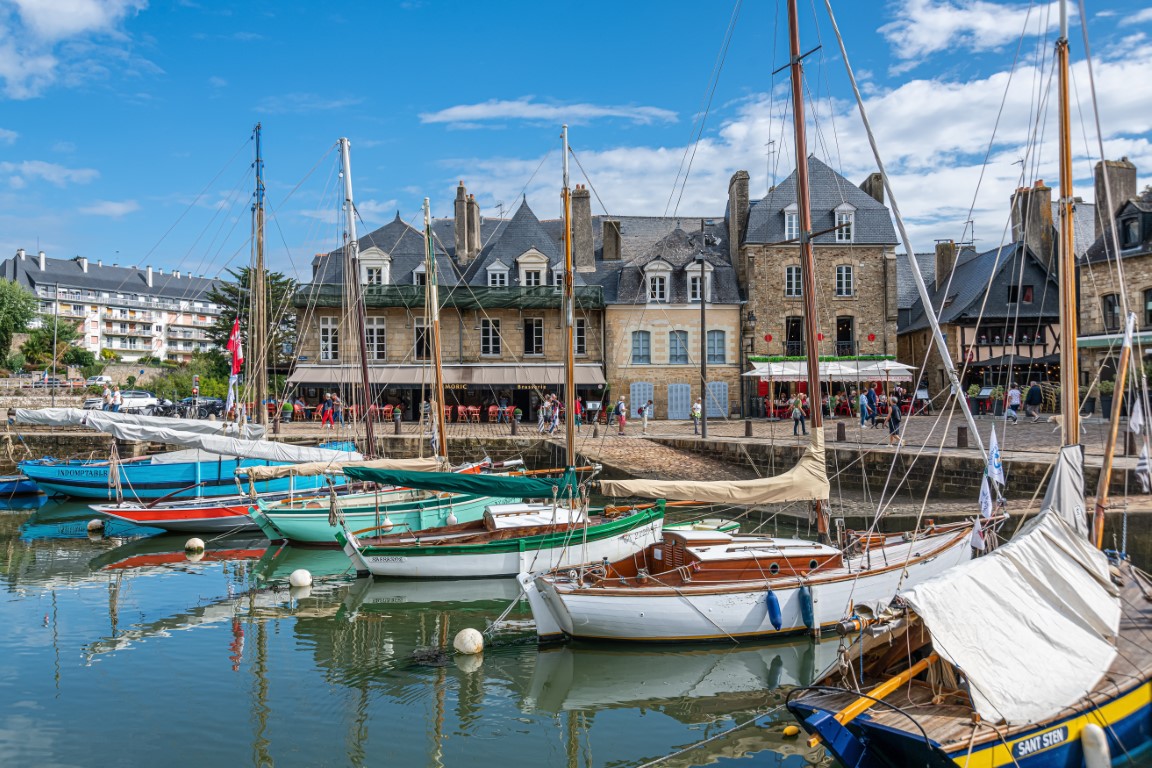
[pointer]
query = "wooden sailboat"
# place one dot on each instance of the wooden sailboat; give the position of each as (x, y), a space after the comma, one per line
(708, 586)
(1035, 655)
(510, 539)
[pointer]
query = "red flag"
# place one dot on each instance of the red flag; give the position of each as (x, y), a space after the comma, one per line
(236, 347)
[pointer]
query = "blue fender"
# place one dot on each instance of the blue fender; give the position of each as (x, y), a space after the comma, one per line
(774, 610)
(807, 611)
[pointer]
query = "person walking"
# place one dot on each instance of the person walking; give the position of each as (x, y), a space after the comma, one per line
(337, 409)
(1013, 410)
(798, 415)
(873, 401)
(554, 415)
(621, 415)
(117, 399)
(579, 412)
(106, 398)
(645, 414)
(326, 412)
(1033, 400)
(697, 414)
(894, 418)
(865, 409)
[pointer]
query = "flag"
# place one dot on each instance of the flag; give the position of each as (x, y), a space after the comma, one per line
(236, 347)
(1136, 418)
(985, 498)
(977, 539)
(995, 470)
(1142, 471)
(231, 394)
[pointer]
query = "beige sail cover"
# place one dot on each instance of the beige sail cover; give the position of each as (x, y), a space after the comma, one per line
(335, 468)
(806, 481)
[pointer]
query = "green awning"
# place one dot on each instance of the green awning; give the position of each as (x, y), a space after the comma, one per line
(483, 485)
(1115, 340)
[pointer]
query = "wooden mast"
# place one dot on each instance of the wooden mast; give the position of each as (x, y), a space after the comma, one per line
(807, 261)
(258, 301)
(433, 309)
(568, 309)
(351, 281)
(1069, 331)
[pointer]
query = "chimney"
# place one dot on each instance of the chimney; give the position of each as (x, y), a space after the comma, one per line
(176, 272)
(1121, 187)
(873, 186)
(473, 227)
(738, 222)
(20, 253)
(148, 273)
(945, 261)
(43, 261)
(100, 262)
(583, 247)
(611, 240)
(461, 225)
(83, 264)
(1032, 219)
(160, 271)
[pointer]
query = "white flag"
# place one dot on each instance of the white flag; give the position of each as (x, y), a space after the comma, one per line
(232, 380)
(995, 469)
(1142, 471)
(1136, 417)
(985, 498)
(977, 540)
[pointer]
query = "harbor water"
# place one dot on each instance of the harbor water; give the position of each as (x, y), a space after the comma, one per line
(119, 650)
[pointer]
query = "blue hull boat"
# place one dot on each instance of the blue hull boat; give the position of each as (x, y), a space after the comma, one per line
(17, 485)
(148, 479)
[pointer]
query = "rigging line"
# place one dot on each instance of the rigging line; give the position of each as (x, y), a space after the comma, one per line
(690, 150)
(588, 179)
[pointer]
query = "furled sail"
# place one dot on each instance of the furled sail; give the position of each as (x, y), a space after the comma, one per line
(1065, 494)
(261, 473)
(808, 480)
(77, 417)
(983, 616)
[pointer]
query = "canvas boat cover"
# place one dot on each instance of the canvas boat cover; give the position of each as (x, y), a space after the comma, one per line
(77, 417)
(1065, 494)
(499, 517)
(257, 474)
(806, 481)
(216, 445)
(1032, 625)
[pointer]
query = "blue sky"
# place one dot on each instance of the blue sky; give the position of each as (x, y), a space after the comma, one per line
(125, 128)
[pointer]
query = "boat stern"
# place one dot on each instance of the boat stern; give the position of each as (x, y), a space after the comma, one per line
(544, 607)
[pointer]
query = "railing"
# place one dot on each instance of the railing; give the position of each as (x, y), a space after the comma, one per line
(793, 348)
(845, 349)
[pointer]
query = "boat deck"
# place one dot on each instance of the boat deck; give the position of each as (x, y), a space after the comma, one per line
(950, 723)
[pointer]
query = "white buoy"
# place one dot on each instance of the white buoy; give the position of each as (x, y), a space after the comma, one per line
(194, 545)
(95, 525)
(300, 578)
(386, 525)
(468, 641)
(1095, 744)
(452, 519)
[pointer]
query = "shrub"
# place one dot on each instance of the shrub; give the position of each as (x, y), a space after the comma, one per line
(1106, 388)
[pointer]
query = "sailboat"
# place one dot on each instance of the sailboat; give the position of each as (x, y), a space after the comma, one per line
(309, 521)
(701, 585)
(510, 538)
(1034, 655)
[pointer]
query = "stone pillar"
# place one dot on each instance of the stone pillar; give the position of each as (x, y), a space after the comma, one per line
(583, 247)
(1122, 186)
(474, 244)
(738, 223)
(945, 261)
(1032, 219)
(873, 186)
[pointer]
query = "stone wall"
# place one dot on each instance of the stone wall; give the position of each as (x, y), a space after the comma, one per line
(1098, 279)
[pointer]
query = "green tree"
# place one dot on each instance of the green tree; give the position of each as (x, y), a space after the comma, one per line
(18, 307)
(53, 340)
(282, 317)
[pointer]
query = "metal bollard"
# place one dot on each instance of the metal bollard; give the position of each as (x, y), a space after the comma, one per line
(1132, 449)
(396, 423)
(515, 425)
(747, 427)
(841, 432)
(961, 437)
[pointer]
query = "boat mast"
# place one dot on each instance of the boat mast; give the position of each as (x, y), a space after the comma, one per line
(258, 300)
(807, 261)
(433, 309)
(1069, 332)
(568, 308)
(352, 282)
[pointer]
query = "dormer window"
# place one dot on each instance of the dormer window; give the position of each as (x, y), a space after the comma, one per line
(845, 222)
(558, 278)
(373, 275)
(656, 279)
(497, 275)
(699, 283)
(375, 267)
(533, 268)
(419, 276)
(1130, 232)
(791, 223)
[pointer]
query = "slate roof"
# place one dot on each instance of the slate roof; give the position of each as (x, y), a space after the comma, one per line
(520, 234)
(1101, 248)
(1083, 225)
(964, 297)
(67, 273)
(906, 293)
(827, 190)
(678, 249)
(400, 240)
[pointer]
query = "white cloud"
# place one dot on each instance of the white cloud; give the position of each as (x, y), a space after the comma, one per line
(53, 173)
(111, 208)
(304, 102)
(472, 115)
(41, 38)
(7, 136)
(923, 27)
(1139, 17)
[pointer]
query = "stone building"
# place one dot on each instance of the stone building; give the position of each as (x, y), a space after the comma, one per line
(1127, 233)
(654, 272)
(129, 311)
(854, 252)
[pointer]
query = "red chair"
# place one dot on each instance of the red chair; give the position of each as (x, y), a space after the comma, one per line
(386, 412)
(493, 410)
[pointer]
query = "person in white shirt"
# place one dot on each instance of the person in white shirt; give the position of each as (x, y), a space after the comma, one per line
(1013, 411)
(117, 399)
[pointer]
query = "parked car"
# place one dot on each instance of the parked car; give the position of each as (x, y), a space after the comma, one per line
(41, 382)
(93, 403)
(137, 400)
(98, 381)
